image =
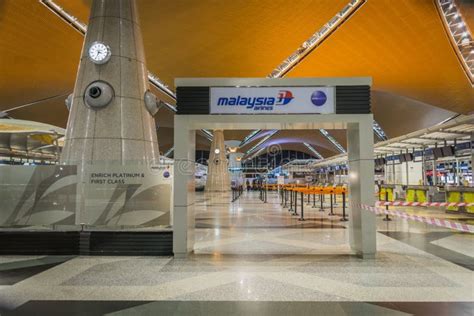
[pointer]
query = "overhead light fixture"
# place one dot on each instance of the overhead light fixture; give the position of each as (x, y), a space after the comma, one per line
(316, 39)
(333, 141)
(313, 42)
(249, 152)
(249, 137)
(379, 131)
(313, 150)
(459, 35)
(168, 153)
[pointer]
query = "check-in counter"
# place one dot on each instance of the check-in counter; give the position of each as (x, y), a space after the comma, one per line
(389, 190)
(458, 194)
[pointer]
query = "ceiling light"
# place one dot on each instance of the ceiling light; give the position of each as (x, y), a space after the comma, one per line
(460, 37)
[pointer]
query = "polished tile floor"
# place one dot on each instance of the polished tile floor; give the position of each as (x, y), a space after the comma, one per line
(253, 257)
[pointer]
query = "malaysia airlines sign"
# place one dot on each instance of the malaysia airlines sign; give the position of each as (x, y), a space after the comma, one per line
(272, 100)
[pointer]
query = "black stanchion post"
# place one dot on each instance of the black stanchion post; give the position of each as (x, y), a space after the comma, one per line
(302, 207)
(295, 199)
(331, 212)
(314, 200)
(344, 219)
(387, 218)
(265, 194)
(291, 201)
(321, 199)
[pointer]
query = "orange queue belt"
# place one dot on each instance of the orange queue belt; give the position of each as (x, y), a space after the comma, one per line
(289, 194)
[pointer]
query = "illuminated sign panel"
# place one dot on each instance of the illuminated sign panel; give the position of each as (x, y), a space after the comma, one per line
(272, 100)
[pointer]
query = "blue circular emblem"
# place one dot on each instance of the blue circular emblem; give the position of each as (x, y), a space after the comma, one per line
(318, 98)
(166, 174)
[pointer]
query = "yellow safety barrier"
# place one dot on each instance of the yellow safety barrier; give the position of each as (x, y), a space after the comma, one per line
(469, 198)
(411, 194)
(453, 197)
(421, 196)
(382, 194)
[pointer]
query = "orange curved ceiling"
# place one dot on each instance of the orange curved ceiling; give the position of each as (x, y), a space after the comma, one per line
(401, 44)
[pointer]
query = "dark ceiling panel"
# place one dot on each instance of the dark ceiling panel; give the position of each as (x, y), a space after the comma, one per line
(400, 115)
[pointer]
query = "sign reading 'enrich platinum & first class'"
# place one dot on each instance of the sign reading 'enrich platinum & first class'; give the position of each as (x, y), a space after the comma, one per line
(272, 100)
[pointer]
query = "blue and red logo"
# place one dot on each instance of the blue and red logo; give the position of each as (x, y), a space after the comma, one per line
(284, 97)
(318, 98)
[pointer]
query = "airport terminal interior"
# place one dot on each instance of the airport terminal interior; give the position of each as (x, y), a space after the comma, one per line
(244, 157)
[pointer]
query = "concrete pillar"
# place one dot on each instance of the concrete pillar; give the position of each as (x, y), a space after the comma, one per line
(184, 168)
(218, 179)
(122, 131)
(362, 226)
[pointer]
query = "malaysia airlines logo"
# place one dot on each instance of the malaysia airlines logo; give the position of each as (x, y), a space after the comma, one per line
(284, 97)
(318, 98)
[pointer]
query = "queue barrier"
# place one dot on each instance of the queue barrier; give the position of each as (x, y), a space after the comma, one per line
(237, 192)
(290, 192)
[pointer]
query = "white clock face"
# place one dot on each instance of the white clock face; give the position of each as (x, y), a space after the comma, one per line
(99, 53)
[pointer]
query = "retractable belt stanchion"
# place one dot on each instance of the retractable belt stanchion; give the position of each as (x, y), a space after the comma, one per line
(387, 218)
(285, 197)
(295, 199)
(344, 219)
(309, 199)
(265, 194)
(302, 207)
(331, 212)
(291, 200)
(280, 190)
(314, 200)
(321, 198)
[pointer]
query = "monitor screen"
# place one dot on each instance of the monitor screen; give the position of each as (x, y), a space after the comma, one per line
(409, 157)
(448, 151)
(437, 152)
(429, 155)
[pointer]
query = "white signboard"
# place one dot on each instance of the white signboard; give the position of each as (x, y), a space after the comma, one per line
(272, 100)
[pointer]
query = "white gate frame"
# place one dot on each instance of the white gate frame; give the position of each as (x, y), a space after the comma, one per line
(360, 147)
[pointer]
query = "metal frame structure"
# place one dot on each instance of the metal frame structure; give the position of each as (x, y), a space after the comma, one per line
(456, 130)
(362, 228)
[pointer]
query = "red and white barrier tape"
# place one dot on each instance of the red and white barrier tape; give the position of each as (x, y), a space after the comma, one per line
(400, 203)
(433, 221)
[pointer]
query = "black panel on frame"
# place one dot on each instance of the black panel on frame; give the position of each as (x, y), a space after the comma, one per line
(192, 100)
(353, 100)
(349, 100)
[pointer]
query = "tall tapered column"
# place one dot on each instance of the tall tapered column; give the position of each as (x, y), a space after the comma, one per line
(218, 173)
(110, 118)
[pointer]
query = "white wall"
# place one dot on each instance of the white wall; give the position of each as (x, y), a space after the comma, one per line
(415, 173)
